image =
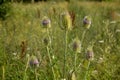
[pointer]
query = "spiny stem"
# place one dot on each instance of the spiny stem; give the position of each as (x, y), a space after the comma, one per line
(50, 62)
(48, 51)
(24, 78)
(36, 74)
(64, 66)
(75, 61)
(85, 78)
(83, 36)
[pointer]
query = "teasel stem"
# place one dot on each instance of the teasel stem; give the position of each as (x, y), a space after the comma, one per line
(85, 78)
(75, 61)
(83, 36)
(49, 56)
(36, 77)
(48, 51)
(49, 38)
(64, 66)
(25, 78)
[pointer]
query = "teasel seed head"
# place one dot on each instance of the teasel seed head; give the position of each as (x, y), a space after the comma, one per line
(66, 21)
(90, 54)
(76, 45)
(87, 22)
(46, 41)
(46, 22)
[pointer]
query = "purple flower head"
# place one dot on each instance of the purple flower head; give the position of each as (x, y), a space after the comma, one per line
(33, 61)
(86, 20)
(45, 22)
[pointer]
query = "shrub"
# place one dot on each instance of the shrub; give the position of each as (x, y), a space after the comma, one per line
(5, 8)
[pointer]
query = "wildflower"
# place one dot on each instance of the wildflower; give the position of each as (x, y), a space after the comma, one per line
(89, 54)
(76, 45)
(34, 61)
(66, 21)
(46, 22)
(87, 22)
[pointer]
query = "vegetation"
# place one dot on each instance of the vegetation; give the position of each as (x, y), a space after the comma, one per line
(61, 41)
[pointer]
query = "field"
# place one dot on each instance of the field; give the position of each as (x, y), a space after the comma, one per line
(66, 50)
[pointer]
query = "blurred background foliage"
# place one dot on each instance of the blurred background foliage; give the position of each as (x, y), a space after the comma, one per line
(5, 6)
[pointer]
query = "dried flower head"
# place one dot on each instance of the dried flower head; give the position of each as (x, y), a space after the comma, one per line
(87, 22)
(34, 61)
(66, 20)
(76, 45)
(46, 22)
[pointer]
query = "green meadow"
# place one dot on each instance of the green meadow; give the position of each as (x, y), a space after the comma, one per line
(78, 53)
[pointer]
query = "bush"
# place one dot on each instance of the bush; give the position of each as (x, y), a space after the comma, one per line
(5, 8)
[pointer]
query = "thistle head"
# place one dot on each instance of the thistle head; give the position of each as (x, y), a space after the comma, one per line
(87, 22)
(76, 45)
(46, 22)
(33, 61)
(66, 20)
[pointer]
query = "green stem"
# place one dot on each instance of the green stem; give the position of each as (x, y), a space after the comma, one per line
(50, 62)
(25, 75)
(48, 51)
(75, 61)
(64, 66)
(83, 36)
(49, 38)
(85, 78)
(36, 74)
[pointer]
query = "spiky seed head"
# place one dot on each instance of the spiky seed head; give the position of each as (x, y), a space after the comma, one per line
(46, 41)
(34, 61)
(76, 45)
(46, 22)
(89, 54)
(87, 22)
(66, 20)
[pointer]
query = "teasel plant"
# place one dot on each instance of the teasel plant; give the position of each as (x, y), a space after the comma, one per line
(46, 23)
(89, 55)
(76, 45)
(86, 25)
(66, 25)
(32, 63)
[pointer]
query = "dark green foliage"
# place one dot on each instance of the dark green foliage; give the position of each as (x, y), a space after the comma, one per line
(5, 8)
